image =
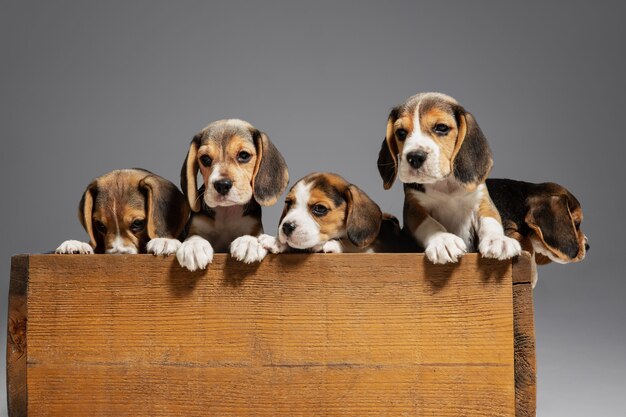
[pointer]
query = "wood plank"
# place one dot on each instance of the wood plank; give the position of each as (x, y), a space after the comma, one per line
(346, 334)
(153, 390)
(17, 393)
(524, 333)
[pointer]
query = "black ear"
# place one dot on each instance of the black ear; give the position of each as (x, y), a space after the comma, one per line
(471, 159)
(549, 217)
(167, 209)
(85, 213)
(363, 219)
(270, 176)
(388, 155)
(189, 174)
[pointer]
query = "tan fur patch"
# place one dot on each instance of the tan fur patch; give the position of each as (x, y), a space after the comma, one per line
(447, 143)
(486, 208)
(333, 223)
(414, 213)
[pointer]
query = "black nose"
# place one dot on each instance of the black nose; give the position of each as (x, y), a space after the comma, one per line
(223, 186)
(288, 228)
(586, 247)
(416, 159)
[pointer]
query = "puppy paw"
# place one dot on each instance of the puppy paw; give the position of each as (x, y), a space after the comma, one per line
(498, 246)
(444, 248)
(74, 247)
(272, 244)
(163, 246)
(332, 246)
(195, 253)
(247, 249)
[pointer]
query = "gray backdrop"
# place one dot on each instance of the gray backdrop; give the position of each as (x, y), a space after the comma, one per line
(89, 88)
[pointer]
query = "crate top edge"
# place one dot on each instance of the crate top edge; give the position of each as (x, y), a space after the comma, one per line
(521, 266)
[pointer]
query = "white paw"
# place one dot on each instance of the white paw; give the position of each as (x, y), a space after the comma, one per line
(247, 249)
(74, 246)
(498, 246)
(163, 246)
(195, 253)
(272, 244)
(444, 248)
(332, 246)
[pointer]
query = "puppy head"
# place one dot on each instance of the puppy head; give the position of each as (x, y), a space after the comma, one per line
(122, 210)
(323, 206)
(554, 216)
(237, 162)
(429, 137)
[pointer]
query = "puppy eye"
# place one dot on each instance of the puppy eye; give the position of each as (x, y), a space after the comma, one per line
(441, 128)
(577, 225)
(319, 210)
(100, 227)
(243, 156)
(401, 134)
(288, 203)
(206, 160)
(137, 226)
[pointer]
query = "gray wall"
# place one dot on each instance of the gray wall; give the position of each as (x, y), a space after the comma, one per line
(89, 88)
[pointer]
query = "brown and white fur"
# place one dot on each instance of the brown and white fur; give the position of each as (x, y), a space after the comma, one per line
(439, 152)
(545, 218)
(130, 211)
(241, 171)
(325, 213)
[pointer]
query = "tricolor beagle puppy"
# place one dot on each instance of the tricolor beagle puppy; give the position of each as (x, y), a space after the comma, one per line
(325, 213)
(241, 171)
(130, 211)
(545, 218)
(438, 151)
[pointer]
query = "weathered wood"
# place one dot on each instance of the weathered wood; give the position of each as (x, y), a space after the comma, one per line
(17, 392)
(525, 360)
(297, 335)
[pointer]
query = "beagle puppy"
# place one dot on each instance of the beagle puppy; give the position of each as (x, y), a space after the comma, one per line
(545, 218)
(241, 171)
(439, 152)
(325, 213)
(130, 211)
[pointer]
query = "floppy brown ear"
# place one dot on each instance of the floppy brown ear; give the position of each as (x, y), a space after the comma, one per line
(363, 217)
(549, 217)
(189, 175)
(388, 155)
(270, 177)
(167, 209)
(471, 157)
(85, 213)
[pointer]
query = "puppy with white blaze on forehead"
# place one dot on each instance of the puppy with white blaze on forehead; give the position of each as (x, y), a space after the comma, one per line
(325, 213)
(130, 211)
(439, 152)
(241, 171)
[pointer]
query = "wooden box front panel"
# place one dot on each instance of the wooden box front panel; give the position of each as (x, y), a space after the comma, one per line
(297, 335)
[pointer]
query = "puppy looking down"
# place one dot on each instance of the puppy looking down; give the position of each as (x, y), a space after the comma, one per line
(439, 152)
(241, 171)
(545, 218)
(325, 213)
(130, 211)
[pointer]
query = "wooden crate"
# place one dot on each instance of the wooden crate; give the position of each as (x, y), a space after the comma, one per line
(297, 335)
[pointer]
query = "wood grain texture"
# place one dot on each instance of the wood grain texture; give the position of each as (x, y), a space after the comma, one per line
(297, 335)
(17, 392)
(525, 359)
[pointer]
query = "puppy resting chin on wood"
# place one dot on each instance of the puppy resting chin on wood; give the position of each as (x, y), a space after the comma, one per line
(545, 218)
(241, 171)
(130, 211)
(325, 213)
